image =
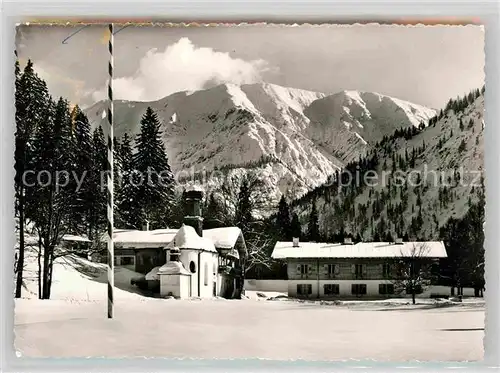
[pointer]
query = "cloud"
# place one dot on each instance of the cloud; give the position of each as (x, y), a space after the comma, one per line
(183, 67)
(59, 85)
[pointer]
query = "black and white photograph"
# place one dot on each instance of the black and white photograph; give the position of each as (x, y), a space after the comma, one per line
(241, 191)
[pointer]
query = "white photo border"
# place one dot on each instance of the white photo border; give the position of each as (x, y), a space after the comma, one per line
(290, 12)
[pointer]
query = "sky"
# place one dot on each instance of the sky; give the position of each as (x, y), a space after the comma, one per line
(424, 65)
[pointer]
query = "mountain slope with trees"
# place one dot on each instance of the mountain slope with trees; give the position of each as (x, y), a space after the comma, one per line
(411, 183)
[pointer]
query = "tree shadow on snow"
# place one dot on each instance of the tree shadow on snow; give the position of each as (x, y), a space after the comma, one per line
(457, 307)
(462, 330)
(98, 273)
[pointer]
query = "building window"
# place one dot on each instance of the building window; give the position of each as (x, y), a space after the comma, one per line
(127, 260)
(358, 289)
(386, 270)
(386, 289)
(359, 270)
(304, 289)
(331, 289)
(192, 267)
(332, 270)
(205, 275)
(303, 269)
(124, 260)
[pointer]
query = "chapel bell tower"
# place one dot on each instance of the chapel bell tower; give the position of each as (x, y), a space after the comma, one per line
(192, 209)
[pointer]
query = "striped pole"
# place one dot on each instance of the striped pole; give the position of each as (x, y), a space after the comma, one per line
(110, 181)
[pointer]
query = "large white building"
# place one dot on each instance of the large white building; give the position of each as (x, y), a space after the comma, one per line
(347, 270)
(189, 261)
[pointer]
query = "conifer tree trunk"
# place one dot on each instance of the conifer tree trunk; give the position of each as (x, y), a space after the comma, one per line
(48, 248)
(20, 260)
(51, 267)
(45, 273)
(39, 261)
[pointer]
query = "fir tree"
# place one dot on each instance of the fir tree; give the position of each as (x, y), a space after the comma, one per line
(213, 213)
(283, 224)
(155, 194)
(125, 152)
(388, 237)
(462, 146)
(313, 224)
(117, 167)
(42, 155)
(97, 180)
(244, 210)
(464, 239)
(31, 103)
(84, 195)
(52, 199)
(127, 208)
(358, 238)
(64, 143)
(295, 226)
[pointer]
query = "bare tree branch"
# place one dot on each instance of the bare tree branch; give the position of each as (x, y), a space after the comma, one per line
(413, 270)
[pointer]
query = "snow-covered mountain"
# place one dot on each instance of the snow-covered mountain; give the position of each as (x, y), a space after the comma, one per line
(296, 138)
(447, 156)
(343, 123)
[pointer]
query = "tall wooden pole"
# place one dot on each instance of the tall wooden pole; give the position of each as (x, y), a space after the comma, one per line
(110, 179)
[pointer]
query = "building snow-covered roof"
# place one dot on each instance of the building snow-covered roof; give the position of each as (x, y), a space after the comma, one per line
(153, 274)
(187, 238)
(74, 238)
(223, 238)
(173, 268)
(228, 238)
(429, 249)
(183, 238)
(157, 237)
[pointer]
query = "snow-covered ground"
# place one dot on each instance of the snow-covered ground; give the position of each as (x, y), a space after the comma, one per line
(247, 329)
(77, 279)
(264, 325)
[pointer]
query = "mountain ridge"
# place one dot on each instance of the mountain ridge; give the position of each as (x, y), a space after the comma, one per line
(237, 124)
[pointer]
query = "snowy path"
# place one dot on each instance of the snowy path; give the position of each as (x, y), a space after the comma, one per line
(246, 329)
